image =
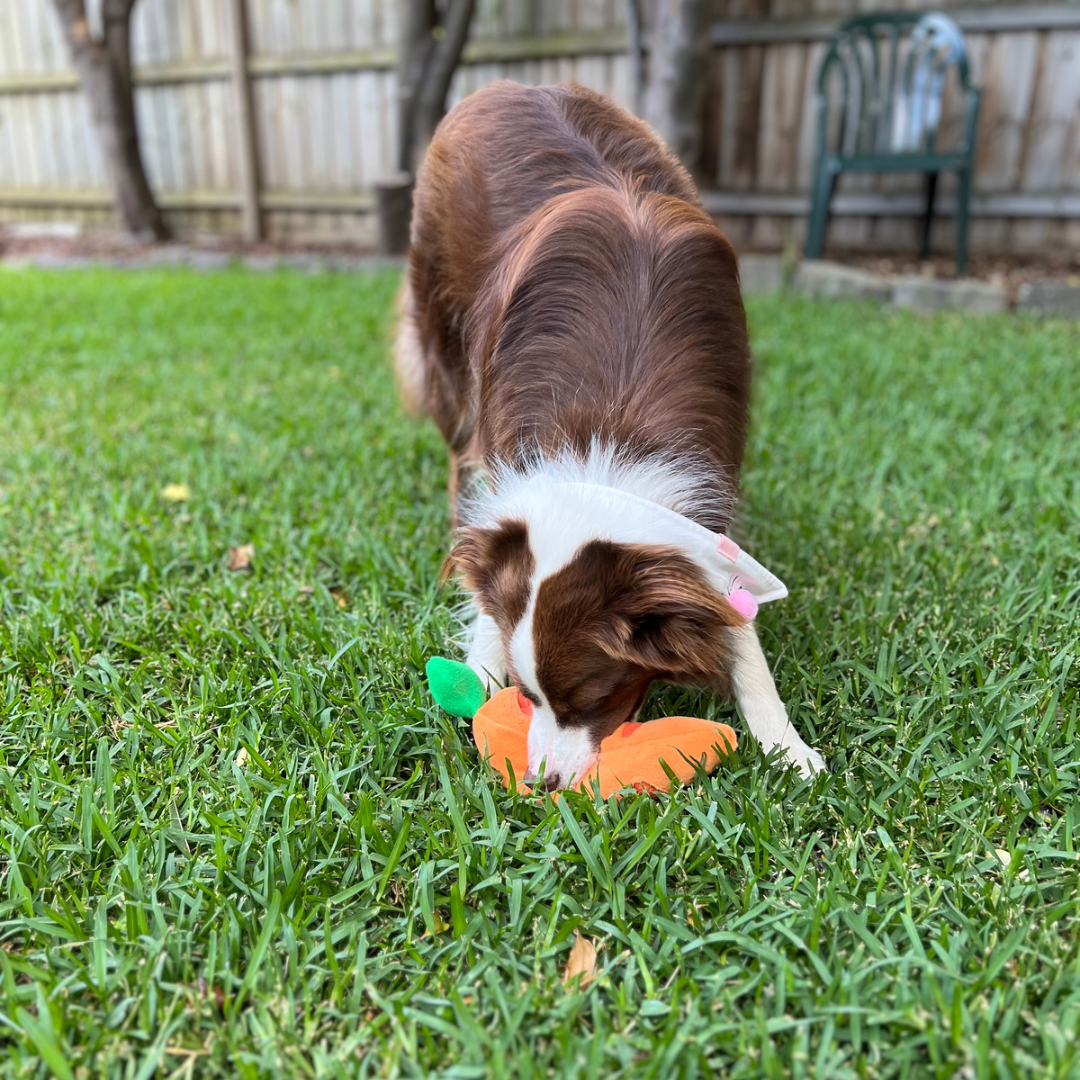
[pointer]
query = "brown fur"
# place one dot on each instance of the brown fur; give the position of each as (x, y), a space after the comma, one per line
(616, 618)
(565, 284)
(495, 565)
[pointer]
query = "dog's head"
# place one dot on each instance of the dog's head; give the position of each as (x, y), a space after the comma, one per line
(583, 639)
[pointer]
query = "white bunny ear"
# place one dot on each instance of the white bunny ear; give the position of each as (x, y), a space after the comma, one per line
(632, 519)
(748, 574)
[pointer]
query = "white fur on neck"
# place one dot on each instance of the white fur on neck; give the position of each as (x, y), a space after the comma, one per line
(566, 502)
(682, 483)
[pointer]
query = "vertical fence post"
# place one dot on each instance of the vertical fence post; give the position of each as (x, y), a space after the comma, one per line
(251, 213)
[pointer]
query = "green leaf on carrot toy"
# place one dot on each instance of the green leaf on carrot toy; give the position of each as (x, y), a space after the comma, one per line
(455, 687)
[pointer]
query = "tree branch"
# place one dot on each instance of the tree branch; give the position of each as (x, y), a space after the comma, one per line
(116, 25)
(104, 69)
(636, 47)
(431, 106)
(71, 13)
(76, 27)
(418, 22)
(116, 10)
(677, 76)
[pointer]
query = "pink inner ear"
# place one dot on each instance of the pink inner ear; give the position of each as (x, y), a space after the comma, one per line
(743, 603)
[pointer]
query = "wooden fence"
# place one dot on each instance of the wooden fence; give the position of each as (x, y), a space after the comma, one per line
(323, 90)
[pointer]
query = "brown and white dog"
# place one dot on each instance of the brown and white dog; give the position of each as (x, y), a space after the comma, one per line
(573, 323)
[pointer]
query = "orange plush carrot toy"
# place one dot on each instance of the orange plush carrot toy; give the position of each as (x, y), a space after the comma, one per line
(633, 756)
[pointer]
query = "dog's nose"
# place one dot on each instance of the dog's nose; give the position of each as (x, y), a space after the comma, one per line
(551, 780)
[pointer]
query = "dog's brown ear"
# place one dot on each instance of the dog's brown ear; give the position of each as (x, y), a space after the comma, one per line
(663, 615)
(496, 565)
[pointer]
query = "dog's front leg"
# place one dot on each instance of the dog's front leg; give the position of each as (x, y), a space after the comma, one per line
(761, 705)
(486, 655)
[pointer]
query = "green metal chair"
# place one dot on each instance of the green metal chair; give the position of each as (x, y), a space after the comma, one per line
(889, 110)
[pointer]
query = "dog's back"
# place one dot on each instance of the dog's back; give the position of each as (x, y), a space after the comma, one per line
(566, 286)
(508, 149)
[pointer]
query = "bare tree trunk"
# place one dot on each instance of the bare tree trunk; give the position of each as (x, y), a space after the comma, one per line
(675, 100)
(251, 217)
(104, 69)
(636, 46)
(431, 104)
(432, 38)
(418, 21)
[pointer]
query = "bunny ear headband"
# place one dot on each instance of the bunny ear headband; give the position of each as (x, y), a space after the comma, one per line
(628, 518)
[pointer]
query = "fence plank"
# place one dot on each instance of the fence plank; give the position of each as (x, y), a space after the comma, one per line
(49, 48)
(815, 53)
(619, 79)
(219, 120)
(265, 92)
(1055, 117)
(781, 110)
(1009, 82)
(387, 24)
(26, 111)
(369, 114)
(487, 20)
(7, 146)
(745, 116)
(8, 38)
(244, 111)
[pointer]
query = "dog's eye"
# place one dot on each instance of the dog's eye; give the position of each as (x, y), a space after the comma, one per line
(526, 693)
(522, 689)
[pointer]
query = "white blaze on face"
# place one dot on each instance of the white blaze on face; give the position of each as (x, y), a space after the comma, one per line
(563, 752)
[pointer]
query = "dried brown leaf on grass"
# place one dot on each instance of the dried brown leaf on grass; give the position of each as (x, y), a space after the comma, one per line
(214, 991)
(582, 961)
(240, 557)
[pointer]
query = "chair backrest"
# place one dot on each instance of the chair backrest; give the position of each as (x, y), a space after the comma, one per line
(892, 70)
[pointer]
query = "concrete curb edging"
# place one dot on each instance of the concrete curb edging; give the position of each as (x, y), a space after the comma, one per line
(205, 259)
(833, 281)
(1049, 298)
(924, 295)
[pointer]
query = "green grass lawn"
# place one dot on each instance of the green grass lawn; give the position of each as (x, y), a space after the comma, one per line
(237, 838)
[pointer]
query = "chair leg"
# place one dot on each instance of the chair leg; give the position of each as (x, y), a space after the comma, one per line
(931, 190)
(824, 184)
(963, 198)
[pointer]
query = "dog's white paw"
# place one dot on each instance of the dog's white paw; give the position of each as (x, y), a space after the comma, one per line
(805, 759)
(486, 655)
